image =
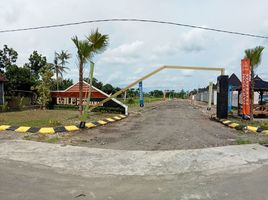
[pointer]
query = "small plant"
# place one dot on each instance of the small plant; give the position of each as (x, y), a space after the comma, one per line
(242, 141)
(130, 101)
(53, 122)
(21, 103)
(52, 140)
(4, 107)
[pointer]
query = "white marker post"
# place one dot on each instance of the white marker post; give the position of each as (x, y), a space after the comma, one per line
(209, 95)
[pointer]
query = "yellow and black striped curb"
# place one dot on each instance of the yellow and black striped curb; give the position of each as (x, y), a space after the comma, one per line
(237, 126)
(52, 130)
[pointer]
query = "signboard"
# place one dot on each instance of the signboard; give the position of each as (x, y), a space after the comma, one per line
(245, 73)
(141, 95)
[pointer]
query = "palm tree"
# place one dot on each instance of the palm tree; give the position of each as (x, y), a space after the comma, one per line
(86, 49)
(254, 55)
(59, 64)
(98, 42)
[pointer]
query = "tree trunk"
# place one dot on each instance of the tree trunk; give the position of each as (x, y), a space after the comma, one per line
(81, 88)
(57, 80)
(251, 92)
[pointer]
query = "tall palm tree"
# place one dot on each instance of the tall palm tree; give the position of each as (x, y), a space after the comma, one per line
(98, 43)
(254, 55)
(86, 49)
(84, 52)
(61, 59)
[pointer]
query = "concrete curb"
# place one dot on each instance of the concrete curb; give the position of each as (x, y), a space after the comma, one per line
(52, 130)
(237, 126)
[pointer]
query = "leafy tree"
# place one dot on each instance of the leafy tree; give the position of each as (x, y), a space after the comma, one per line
(36, 63)
(156, 93)
(18, 79)
(108, 88)
(132, 93)
(43, 87)
(254, 55)
(60, 60)
(116, 89)
(8, 57)
(182, 94)
(95, 82)
(63, 84)
(95, 43)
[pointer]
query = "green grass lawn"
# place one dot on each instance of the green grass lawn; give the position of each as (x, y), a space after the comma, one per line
(40, 118)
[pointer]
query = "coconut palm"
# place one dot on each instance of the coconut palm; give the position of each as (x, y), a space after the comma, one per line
(59, 64)
(86, 49)
(254, 55)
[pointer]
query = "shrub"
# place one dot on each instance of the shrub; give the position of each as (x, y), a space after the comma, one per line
(4, 107)
(53, 122)
(131, 101)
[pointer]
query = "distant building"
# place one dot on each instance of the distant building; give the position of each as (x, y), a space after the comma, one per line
(2, 97)
(70, 97)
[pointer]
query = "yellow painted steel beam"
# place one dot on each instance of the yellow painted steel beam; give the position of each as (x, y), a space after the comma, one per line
(222, 70)
(153, 73)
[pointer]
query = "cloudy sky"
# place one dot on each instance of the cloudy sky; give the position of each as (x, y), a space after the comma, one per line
(137, 48)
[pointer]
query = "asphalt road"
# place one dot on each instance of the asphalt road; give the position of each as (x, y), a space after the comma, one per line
(166, 126)
(27, 182)
(31, 170)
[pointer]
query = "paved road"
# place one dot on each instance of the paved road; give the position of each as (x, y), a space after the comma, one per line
(167, 126)
(31, 170)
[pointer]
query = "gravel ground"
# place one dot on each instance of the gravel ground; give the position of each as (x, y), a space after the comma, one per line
(164, 126)
(168, 125)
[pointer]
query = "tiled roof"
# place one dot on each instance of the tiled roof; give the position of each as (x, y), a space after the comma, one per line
(2, 79)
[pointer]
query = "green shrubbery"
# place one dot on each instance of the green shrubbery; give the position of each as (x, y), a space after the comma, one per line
(4, 107)
(130, 101)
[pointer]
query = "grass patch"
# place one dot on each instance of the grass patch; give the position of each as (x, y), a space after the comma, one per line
(52, 140)
(240, 141)
(257, 123)
(50, 118)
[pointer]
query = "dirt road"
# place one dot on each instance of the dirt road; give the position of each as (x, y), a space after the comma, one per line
(166, 126)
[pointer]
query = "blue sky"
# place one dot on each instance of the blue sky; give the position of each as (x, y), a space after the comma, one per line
(136, 48)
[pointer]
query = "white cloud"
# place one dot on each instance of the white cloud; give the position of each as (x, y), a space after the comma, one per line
(138, 48)
(124, 54)
(192, 41)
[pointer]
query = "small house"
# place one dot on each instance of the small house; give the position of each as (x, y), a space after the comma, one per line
(70, 97)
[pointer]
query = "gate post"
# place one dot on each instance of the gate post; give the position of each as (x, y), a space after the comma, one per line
(141, 95)
(222, 97)
(209, 95)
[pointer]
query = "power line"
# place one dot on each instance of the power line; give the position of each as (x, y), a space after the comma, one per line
(132, 20)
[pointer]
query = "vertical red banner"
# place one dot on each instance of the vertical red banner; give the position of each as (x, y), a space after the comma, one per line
(245, 73)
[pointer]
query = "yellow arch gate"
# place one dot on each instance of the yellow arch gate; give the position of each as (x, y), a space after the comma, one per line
(221, 70)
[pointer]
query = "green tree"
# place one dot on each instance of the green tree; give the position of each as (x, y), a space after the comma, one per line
(43, 87)
(156, 93)
(36, 63)
(86, 49)
(95, 82)
(8, 57)
(132, 92)
(254, 55)
(19, 78)
(108, 88)
(63, 84)
(61, 59)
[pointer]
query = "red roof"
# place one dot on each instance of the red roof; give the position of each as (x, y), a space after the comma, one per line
(73, 92)
(2, 79)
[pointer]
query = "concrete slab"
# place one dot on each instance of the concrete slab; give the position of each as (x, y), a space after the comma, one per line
(98, 162)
